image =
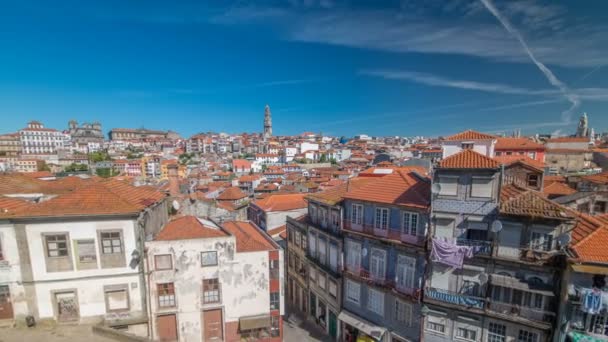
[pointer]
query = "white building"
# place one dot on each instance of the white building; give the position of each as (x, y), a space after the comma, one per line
(469, 140)
(36, 139)
(212, 283)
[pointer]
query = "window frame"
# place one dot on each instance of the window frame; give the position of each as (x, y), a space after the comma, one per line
(381, 221)
(156, 256)
(405, 316)
(275, 303)
(203, 264)
(375, 261)
(351, 288)
(448, 179)
(375, 305)
(497, 336)
(357, 210)
(55, 235)
(410, 221)
(112, 247)
(209, 293)
(117, 288)
(490, 183)
(164, 290)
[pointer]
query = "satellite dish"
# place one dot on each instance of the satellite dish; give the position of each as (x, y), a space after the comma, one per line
(563, 239)
(436, 188)
(364, 252)
(175, 205)
(496, 226)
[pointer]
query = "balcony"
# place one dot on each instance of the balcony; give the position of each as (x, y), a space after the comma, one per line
(482, 247)
(521, 311)
(365, 276)
(324, 225)
(389, 234)
(455, 298)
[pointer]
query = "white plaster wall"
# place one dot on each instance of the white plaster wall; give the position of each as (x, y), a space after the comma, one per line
(485, 147)
(276, 219)
(78, 230)
(91, 296)
(244, 282)
(10, 269)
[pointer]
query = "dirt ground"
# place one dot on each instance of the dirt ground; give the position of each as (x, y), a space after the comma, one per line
(61, 333)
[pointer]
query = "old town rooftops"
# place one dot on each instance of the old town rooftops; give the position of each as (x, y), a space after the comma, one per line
(282, 202)
(189, 227)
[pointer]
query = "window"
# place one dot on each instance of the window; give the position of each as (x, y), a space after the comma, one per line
(353, 291)
(357, 214)
(111, 242)
(410, 223)
(541, 241)
(498, 153)
(403, 313)
(481, 187)
(406, 271)
(274, 269)
(381, 221)
(209, 258)
(378, 263)
(163, 262)
(313, 275)
(57, 245)
(533, 181)
(435, 324)
(312, 245)
(353, 255)
(166, 295)
(290, 260)
(532, 155)
(527, 336)
(375, 301)
(599, 207)
(497, 333)
(304, 244)
(275, 329)
(211, 291)
(333, 288)
(333, 257)
(335, 219)
(448, 186)
(298, 238)
(275, 301)
(322, 250)
(86, 251)
(467, 145)
(117, 299)
(466, 334)
(321, 280)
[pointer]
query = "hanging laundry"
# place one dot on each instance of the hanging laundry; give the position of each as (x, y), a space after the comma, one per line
(592, 301)
(450, 254)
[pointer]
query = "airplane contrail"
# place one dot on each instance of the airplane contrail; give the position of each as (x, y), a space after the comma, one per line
(563, 88)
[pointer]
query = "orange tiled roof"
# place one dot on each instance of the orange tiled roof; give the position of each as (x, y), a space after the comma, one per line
(109, 197)
(531, 203)
(233, 193)
(404, 187)
(248, 237)
(336, 194)
(39, 174)
(593, 247)
(517, 144)
(554, 178)
(9, 205)
(600, 178)
(187, 227)
(557, 189)
(282, 202)
(513, 159)
(277, 231)
(568, 139)
(470, 135)
(468, 159)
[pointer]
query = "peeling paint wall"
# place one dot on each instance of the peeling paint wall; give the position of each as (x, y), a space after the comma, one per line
(243, 278)
(10, 270)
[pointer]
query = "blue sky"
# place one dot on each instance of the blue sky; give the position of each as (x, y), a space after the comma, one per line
(407, 67)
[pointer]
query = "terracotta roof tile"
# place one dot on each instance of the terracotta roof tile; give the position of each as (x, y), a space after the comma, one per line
(282, 202)
(277, 231)
(187, 227)
(9, 205)
(532, 204)
(517, 144)
(405, 187)
(336, 194)
(468, 159)
(593, 248)
(600, 178)
(557, 189)
(470, 135)
(233, 193)
(248, 237)
(513, 159)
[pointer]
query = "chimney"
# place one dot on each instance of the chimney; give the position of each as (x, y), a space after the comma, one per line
(173, 180)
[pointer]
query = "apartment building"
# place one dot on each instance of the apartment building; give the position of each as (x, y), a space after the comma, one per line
(37, 139)
(215, 283)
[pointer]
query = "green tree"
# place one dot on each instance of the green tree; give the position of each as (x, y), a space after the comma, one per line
(323, 158)
(106, 172)
(43, 167)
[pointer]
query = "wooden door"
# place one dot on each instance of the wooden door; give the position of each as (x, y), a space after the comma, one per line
(213, 325)
(6, 306)
(167, 328)
(67, 306)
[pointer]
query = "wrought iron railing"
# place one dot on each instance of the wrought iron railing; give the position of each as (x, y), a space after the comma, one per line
(455, 298)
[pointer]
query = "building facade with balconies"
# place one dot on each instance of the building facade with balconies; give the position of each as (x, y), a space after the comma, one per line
(385, 257)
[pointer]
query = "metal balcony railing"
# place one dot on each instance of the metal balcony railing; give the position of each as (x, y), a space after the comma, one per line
(521, 311)
(483, 247)
(364, 275)
(391, 234)
(455, 298)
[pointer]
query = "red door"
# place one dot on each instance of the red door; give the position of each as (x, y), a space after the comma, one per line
(6, 306)
(214, 325)
(167, 328)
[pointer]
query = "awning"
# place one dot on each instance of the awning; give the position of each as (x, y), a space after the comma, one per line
(592, 269)
(514, 283)
(361, 324)
(581, 337)
(254, 322)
